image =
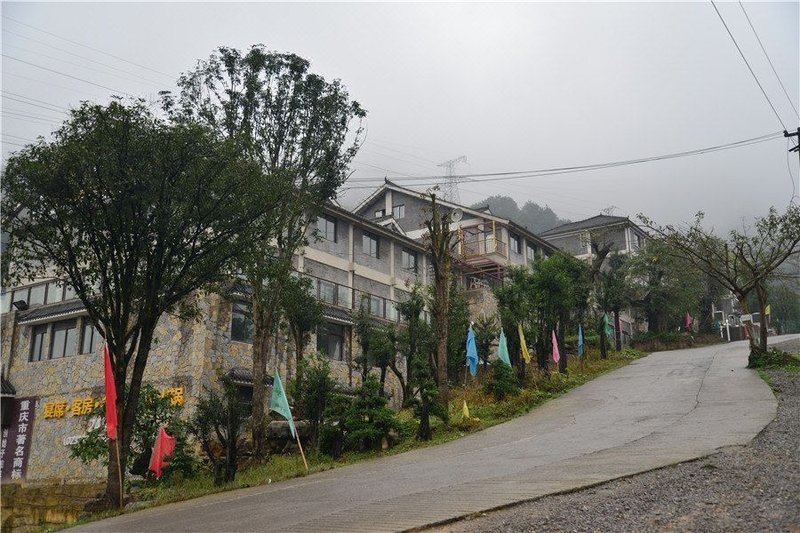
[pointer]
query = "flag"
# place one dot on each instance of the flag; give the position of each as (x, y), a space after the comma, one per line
(111, 396)
(472, 352)
(164, 447)
(465, 411)
(280, 404)
(580, 341)
(607, 326)
(502, 348)
(768, 310)
(689, 321)
(556, 355)
(522, 346)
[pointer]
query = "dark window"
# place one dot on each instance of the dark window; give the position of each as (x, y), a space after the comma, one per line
(327, 291)
(327, 228)
(369, 245)
(89, 337)
(330, 339)
(64, 341)
(379, 213)
(516, 245)
(399, 211)
(37, 342)
(37, 294)
(409, 260)
(242, 322)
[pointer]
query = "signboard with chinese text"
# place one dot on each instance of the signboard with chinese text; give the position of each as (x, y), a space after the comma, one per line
(16, 440)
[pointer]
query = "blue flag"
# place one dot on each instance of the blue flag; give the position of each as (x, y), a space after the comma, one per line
(472, 352)
(580, 341)
(502, 348)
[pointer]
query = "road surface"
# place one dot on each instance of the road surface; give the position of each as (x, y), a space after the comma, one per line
(666, 408)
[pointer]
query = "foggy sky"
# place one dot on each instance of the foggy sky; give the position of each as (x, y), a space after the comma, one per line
(512, 87)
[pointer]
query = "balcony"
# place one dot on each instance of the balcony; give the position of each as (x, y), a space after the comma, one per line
(481, 249)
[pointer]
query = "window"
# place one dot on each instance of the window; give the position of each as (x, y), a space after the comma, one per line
(55, 292)
(330, 338)
(64, 341)
(409, 260)
(5, 302)
(69, 293)
(399, 211)
(515, 243)
(20, 294)
(37, 342)
(327, 292)
(242, 322)
(375, 305)
(379, 213)
(343, 297)
(327, 228)
(369, 245)
(532, 252)
(37, 295)
(89, 337)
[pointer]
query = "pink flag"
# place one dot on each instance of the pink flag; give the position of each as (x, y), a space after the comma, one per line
(689, 321)
(164, 447)
(111, 396)
(556, 355)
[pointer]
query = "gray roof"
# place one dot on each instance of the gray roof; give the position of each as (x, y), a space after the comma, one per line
(6, 387)
(51, 311)
(598, 221)
(337, 313)
(244, 376)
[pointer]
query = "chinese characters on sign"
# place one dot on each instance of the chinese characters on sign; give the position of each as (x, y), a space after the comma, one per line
(16, 440)
(85, 406)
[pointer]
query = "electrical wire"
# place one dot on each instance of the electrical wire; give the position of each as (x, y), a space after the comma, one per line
(768, 59)
(33, 100)
(748, 65)
(69, 75)
(34, 104)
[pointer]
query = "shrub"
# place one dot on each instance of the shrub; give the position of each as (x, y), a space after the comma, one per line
(311, 391)
(501, 381)
(774, 358)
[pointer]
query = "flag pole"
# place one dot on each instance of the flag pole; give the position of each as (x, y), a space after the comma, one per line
(302, 454)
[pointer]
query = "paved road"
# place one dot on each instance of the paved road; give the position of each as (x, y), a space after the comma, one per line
(665, 408)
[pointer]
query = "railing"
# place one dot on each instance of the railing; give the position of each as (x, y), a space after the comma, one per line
(338, 295)
(483, 247)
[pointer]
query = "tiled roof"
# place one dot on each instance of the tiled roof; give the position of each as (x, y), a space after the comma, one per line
(51, 311)
(244, 376)
(6, 387)
(593, 222)
(337, 313)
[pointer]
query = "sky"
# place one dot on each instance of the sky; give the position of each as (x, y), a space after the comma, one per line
(512, 87)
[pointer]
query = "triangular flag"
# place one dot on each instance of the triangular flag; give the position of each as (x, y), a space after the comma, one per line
(111, 396)
(164, 447)
(768, 310)
(522, 346)
(580, 341)
(689, 320)
(472, 352)
(502, 348)
(280, 404)
(556, 355)
(465, 411)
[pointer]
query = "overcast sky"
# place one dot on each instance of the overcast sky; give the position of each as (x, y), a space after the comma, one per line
(511, 87)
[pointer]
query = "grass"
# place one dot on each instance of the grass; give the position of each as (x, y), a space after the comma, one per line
(484, 410)
(776, 360)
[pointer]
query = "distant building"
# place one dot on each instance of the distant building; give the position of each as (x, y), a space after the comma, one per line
(620, 233)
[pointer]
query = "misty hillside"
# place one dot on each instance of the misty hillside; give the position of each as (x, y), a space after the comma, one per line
(536, 218)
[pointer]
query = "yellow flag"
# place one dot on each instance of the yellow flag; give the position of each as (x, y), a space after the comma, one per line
(522, 345)
(466, 410)
(768, 310)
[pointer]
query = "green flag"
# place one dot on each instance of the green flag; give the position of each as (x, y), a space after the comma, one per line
(502, 348)
(279, 403)
(606, 326)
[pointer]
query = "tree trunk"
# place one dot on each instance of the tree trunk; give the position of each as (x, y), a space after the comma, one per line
(603, 347)
(403, 383)
(383, 381)
(761, 293)
(424, 430)
(443, 304)
(618, 329)
(262, 346)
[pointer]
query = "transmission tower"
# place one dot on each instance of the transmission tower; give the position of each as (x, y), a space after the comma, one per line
(450, 187)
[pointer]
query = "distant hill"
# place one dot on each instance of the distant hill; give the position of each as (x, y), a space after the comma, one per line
(533, 216)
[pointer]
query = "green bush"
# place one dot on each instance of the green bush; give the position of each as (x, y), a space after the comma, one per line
(501, 381)
(311, 391)
(588, 340)
(774, 359)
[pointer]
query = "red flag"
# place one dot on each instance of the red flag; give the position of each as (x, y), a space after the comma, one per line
(164, 447)
(111, 397)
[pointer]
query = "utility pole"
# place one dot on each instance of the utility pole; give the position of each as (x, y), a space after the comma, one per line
(450, 189)
(788, 135)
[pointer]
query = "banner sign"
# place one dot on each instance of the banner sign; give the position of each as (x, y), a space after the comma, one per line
(16, 440)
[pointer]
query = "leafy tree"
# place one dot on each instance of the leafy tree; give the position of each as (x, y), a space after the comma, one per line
(300, 128)
(364, 326)
(218, 424)
(500, 383)
(136, 213)
(312, 391)
(614, 292)
(440, 245)
(486, 332)
(425, 399)
(413, 340)
(457, 326)
(745, 261)
(154, 411)
(515, 305)
(302, 313)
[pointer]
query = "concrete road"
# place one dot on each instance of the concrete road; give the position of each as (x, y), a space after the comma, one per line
(666, 408)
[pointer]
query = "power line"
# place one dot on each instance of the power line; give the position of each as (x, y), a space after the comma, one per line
(34, 104)
(768, 59)
(18, 137)
(88, 47)
(69, 75)
(34, 100)
(14, 144)
(498, 176)
(21, 113)
(748, 65)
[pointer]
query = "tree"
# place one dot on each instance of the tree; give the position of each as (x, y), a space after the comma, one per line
(440, 246)
(742, 263)
(298, 126)
(383, 351)
(413, 340)
(302, 313)
(486, 332)
(312, 391)
(514, 302)
(613, 294)
(136, 213)
(457, 328)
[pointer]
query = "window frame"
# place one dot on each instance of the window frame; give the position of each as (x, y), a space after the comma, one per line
(411, 266)
(326, 331)
(248, 339)
(324, 225)
(61, 352)
(399, 208)
(368, 238)
(42, 330)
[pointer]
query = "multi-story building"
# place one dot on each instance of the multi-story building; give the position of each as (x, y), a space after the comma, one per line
(620, 234)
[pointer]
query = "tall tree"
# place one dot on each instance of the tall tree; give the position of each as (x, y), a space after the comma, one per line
(515, 306)
(302, 313)
(413, 339)
(300, 127)
(136, 213)
(613, 293)
(743, 262)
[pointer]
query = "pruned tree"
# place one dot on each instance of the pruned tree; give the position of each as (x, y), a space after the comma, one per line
(413, 340)
(515, 306)
(614, 293)
(136, 213)
(743, 262)
(486, 332)
(302, 313)
(301, 128)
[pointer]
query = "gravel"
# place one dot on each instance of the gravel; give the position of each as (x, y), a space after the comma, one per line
(750, 488)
